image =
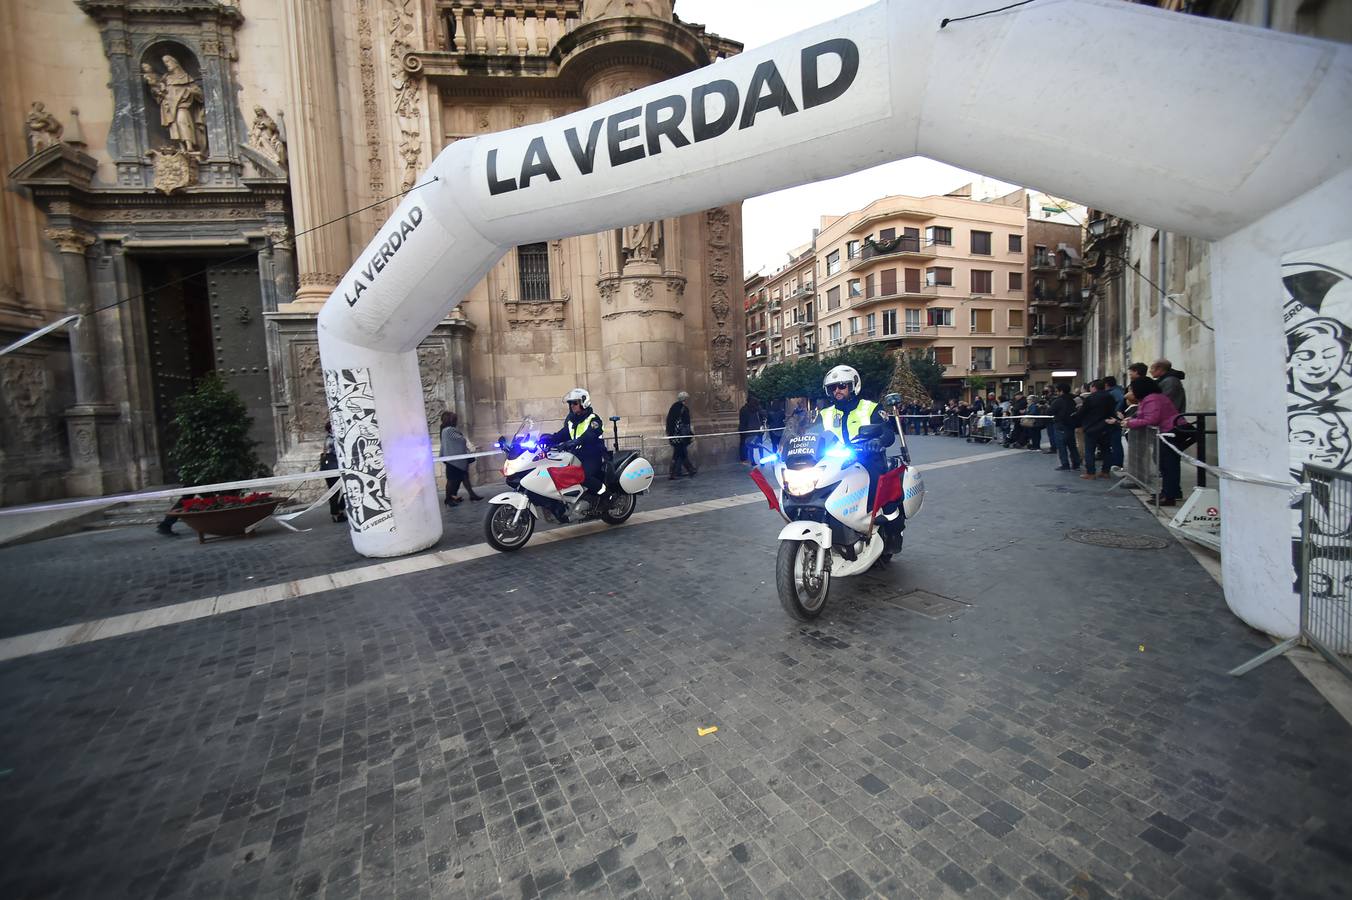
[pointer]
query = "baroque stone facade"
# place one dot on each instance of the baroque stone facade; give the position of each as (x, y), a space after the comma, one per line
(200, 213)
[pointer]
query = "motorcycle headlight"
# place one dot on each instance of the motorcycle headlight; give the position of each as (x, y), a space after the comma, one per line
(800, 481)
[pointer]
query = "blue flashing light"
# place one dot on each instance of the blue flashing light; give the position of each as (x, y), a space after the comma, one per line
(840, 451)
(769, 458)
(529, 445)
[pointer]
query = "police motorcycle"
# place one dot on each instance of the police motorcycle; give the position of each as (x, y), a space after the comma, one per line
(544, 481)
(822, 491)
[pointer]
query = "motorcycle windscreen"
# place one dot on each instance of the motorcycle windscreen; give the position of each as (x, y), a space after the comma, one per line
(567, 476)
(637, 476)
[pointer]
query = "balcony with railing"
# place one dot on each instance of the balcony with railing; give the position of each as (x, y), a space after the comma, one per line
(1043, 262)
(919, 292)
(904, 247)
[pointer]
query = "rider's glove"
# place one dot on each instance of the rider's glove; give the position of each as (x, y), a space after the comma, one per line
(874, 446)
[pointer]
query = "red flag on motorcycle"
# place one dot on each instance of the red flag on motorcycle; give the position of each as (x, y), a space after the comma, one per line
(567, 476)
(764, 485)
(889, 488)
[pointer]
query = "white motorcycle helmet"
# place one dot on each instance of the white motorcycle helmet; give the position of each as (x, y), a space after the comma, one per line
(579, 395)
(842, 375)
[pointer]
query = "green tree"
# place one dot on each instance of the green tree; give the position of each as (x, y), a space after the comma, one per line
(213, 443)
(978, 384)
(929, 373)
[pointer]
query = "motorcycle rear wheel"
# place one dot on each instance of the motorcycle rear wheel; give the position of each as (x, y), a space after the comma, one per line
(802, 590)
(501, 535)
(620, 508)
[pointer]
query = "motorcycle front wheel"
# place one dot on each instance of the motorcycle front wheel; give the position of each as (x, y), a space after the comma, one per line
(802, 589)
(500, 532)
(620, 507)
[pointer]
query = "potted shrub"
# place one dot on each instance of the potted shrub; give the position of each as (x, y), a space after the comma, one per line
(213, 446)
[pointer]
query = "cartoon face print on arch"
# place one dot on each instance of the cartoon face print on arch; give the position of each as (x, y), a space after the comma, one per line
(1319, 437)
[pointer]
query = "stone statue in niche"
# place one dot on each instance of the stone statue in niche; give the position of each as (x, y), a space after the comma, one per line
(182, 104)
(642, 242)
(266, 137)
(43, 128)
(608, 9)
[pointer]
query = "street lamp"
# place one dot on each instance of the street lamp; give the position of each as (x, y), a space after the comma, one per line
(1097, 226)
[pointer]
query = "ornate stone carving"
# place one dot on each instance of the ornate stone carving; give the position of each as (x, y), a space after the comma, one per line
(720, 306)
(719, 258)
(608, 287)
(481, 120)
(83, 445)
(525, 316)
(278, 235)
(676, 287)
(311, 407)
(722, 351)
(43, 128)
(606, 9)
(407, 83)
(644, 313)
(174, 169)
(720, 223)
(69, 240)
(366, 54)
(327, 279)
(23, 390)
(182, 105)
(643, 290)
(721, 393)
(266, 137)
(432, 373)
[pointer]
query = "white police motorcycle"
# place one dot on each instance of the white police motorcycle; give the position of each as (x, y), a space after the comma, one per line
(545, 482)
(822, 492)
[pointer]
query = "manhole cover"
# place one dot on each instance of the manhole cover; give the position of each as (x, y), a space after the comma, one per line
(1117, 540)
(929, 605)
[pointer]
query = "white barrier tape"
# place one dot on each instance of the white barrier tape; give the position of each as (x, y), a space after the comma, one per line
(437, 459)
(285, 520)
(1234, 474)
(37, 334)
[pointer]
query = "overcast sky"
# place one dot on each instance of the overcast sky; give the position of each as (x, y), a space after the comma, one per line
(776, 223)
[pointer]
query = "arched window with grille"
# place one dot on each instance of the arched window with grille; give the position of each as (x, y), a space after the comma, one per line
(532, 266)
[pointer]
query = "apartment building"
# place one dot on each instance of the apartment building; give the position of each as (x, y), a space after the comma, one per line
(754, 308)
(792, 307)
(1056, 302)
(941, 274)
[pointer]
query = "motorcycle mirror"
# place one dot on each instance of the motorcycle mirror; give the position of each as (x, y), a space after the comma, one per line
(892, 400)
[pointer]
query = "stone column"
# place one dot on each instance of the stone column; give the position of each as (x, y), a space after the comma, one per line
(315, 149)
(91, 421)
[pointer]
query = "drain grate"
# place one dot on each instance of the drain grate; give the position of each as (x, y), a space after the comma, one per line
(932, 606)
(1116, 540)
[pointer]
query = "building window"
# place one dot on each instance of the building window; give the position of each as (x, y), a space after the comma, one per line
(981, 359)
(808, 309)
(854, 289)
(835, 332)
(1018, 356)
(983, 321)
(1016, 243)
(852, 249)
(832, 263)
(854, 324)
(890, 320)
(913, 321)
(939, 276)
(943, 355)
(1016, 281)
(833, 299)
(1040, 257)
(981, 243)
(871, 326)
(981, 281)
(1016, 319)
(532, 267)
(940, 315)
(937, 234)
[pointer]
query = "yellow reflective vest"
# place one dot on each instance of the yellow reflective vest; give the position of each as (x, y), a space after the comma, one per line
(833, 419)
(580, 428)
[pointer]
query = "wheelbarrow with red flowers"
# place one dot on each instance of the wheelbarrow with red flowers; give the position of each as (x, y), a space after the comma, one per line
(226, 515)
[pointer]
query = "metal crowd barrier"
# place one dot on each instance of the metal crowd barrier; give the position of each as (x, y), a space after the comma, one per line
(1325, 571)
(1141, 459)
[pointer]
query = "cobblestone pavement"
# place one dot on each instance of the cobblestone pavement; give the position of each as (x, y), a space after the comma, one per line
(528, 725)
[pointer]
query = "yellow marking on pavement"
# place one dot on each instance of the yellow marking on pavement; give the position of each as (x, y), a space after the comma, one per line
(191, 610)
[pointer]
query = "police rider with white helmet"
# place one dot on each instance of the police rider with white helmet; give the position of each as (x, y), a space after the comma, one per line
(584, 433)
(846, 415)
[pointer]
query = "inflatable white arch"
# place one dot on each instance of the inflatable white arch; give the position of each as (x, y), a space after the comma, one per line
(1238, 135)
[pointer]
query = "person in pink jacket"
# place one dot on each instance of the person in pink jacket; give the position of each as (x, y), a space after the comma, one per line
(1154, 408)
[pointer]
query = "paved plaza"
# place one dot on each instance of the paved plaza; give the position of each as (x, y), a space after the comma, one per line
(1053, 720)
